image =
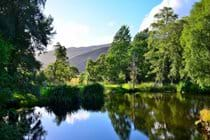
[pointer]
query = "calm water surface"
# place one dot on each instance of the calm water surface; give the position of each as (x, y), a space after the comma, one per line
(139, 117)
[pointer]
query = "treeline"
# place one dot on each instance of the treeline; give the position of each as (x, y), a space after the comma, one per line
(172, 50)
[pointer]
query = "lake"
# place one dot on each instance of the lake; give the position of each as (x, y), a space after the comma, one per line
(134, 117)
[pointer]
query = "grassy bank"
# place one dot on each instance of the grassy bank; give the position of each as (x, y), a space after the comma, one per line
(182, 87)
(89, 95)
(144, 87)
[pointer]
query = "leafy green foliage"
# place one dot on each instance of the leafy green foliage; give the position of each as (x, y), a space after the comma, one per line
(60, 71)
(96, 71)
(117, 58)
(159, 53)
(136, 54)
(189, 87)
(64, 96)
(175, 50)
(195, 40)
(24, 25)
(83, 78)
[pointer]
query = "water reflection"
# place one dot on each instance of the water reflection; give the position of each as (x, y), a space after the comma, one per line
(81, 115)
(61, 112)
(139, 116)
(157, 116)
(19, 124)
(36, 131)
(118, 108)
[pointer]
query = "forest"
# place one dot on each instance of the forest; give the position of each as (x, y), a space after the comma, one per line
(172, 51)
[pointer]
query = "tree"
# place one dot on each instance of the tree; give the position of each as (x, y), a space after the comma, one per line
(133, 72)
(60, 53)
(60, 72)
(117, 57)
(175, 50)
(159, 45)
(136, 54)
(195, 41)
(24, 25)
(96, 71)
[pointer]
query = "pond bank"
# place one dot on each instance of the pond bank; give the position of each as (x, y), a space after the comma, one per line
(76, 94)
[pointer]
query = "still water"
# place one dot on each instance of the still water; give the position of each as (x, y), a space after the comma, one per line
(134, 117)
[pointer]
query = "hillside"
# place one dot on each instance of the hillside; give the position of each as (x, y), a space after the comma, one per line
(77, 56)
(80, 60)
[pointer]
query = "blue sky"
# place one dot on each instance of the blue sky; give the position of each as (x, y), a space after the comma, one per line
(92, 22)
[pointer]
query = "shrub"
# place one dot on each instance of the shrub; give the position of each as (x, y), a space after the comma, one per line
(61, 96)
(189, 87)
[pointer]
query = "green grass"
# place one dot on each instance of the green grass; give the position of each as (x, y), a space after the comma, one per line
(143, 87)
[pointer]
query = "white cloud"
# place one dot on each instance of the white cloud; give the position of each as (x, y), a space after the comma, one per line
(78, 116)
(70, 33)
(75, 34)
(181, 7)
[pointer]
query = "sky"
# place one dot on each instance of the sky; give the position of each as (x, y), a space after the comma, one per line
(93, 22)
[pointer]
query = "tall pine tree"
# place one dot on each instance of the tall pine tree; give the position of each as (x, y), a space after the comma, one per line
(159, 48)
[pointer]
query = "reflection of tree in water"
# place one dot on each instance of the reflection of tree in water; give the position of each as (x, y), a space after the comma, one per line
(117, 107)
(168, 117)
(93, 97)
(21, 125)
(121, 124)
(93, 103)
(36, 131)
(62, 111)
(157, 116)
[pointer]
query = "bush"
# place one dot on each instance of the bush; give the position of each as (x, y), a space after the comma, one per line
(93, 97)
(61, 96)
(189, 87)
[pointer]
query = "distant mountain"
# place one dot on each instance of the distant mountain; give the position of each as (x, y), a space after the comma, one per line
(80, 60)
(77, 56)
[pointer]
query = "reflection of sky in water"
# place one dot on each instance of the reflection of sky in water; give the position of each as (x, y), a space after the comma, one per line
(82, 125)
(81, 115)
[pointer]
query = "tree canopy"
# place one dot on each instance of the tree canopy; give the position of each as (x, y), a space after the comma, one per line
(159, 44)
(195, 41)
(23, 24)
